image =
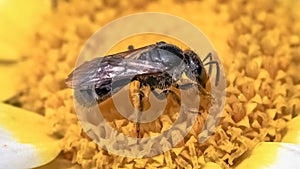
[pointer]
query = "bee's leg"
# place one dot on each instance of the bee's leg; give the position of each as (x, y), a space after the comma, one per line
(190, 85)
(218, 70)
(202, 91)
(209, 56)
(164, 94)
(130, 47)
(140, 109)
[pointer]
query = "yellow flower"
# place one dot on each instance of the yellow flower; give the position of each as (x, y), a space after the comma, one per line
(24, 139)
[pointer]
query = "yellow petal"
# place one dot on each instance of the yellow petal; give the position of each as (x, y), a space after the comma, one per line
(24, 139)
(59, 162)
(293, 131)
(18, 20)
(271, 155)
(8, 75)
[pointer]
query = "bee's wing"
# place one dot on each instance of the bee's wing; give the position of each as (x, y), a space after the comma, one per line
(135, 53)
(100, 71)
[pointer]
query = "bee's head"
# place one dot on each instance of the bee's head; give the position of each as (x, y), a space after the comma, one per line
(194, 68)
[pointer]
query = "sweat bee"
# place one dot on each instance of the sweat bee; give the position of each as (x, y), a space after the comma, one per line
(158, 66)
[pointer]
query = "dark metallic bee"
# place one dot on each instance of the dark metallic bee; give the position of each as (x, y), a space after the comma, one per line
(158, 66)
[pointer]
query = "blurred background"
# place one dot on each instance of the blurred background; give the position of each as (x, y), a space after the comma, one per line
(257, 42)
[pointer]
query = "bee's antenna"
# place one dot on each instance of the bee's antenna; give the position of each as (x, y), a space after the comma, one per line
(218, 70)
(209, 56)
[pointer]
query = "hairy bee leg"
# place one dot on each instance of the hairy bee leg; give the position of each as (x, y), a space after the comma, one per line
(164, 94)
(209, 56)
(140, 109)
(218, 70)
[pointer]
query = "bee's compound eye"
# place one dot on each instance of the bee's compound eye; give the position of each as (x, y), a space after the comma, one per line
(202, 76)
(85, 97)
